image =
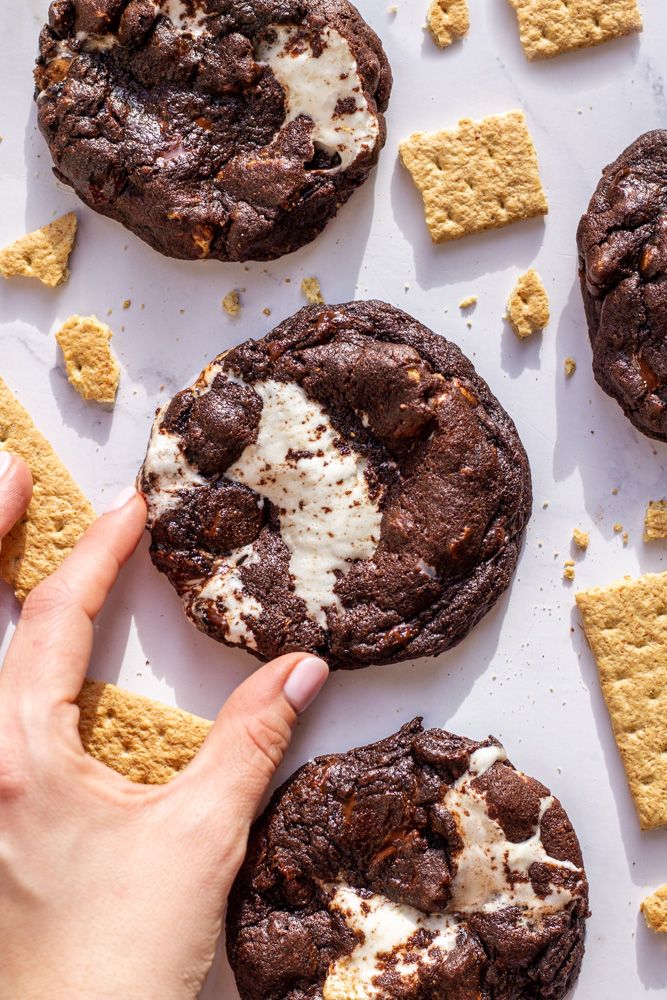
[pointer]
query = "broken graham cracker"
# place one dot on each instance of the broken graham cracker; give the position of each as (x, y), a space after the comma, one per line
(654, 909)
(143, 740)
(448, 20)
(91, 367)
(528, 306)
(312, 291)
(626, 627)
(549, 27)
(655, 521)
(58, 513)
(43, 254)
(481, 175)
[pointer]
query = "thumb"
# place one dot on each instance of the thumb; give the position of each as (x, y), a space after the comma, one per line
(15, 490)
(253, 730)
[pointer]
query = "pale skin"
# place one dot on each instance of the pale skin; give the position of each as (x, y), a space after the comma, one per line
(110, 889)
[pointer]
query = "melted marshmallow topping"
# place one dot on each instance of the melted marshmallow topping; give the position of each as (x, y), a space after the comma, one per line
(492, 874)
(326, 88)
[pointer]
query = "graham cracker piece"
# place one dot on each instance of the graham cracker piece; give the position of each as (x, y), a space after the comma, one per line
(91, 367)
(570, 367)
(139, 738)
(43, 254)
(549, 27)
(58, 513)
(312, 291)
(481, 175)
(626, 627)
(528, 307)
(581, 539)
(232, 302)
(655, 521)
(654, 909)
(448, 20)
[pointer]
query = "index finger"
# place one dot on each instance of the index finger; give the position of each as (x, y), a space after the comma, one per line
(49, 654)
(15, 490)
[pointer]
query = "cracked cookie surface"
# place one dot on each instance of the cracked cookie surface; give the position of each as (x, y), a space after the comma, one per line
(622, 241)
(213, 128)
(347, 485)
(418, 867)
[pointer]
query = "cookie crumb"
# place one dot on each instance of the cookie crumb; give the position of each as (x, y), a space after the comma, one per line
(43, 254)
(448, 20)
(654, 909)
(618, 528)
(528, 307)
(127, 303)
(468, 303)
(312, 292)
(266, 311)
(480, 175)
(91, 367)
(232, 302)
(568, 570)
(570, 366)
(581, 539)
(655, 520)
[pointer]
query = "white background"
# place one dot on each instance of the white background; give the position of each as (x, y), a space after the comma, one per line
(525, 674)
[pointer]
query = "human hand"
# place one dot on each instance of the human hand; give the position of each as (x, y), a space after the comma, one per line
(108, 888)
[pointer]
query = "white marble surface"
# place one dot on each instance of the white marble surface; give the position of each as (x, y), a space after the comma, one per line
(525, 673)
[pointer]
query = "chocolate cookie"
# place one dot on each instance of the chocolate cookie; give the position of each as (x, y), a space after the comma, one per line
(231, 129)
(347, 485)
(622, 242)
(418, 868)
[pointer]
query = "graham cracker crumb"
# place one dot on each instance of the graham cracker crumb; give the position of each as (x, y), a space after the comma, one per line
(43, 254)
(127, 303)
(468, 303)
(570, 367)
(448, 20)
(91, 367)
(58, 513)
(232, 302)
(141, 739)
(618, 528)
(581, 539)
(568, 570)
(550, 27)
(654, 909)
(528, 307)
(626, 627)
(312, 291)
(266, 311)
(481, 175)
(655, 520)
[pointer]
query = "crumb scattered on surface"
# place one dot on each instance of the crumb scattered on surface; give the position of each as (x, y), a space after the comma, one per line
(581, 539)
(43, 254)
(312, 291)
(654, 909)
(550, 27)
(468, 303)
(232, 302)
(266, 311)
(127, 303)
(91, 367)
(655, 520)
(528, 307)
(568, 570)
(448, 20)
(618, 528)
(480, 175)
(570, 366)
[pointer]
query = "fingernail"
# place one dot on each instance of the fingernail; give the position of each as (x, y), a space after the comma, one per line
(129, 493)
(305, 682)
(5, 462)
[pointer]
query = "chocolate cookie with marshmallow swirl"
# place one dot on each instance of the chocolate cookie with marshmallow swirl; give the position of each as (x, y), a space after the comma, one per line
(622, 242)
(421, 867)
(347, 485)
(228, 129)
